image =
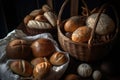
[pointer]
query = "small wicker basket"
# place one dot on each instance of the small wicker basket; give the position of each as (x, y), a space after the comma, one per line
(22, 26)
(90, 51)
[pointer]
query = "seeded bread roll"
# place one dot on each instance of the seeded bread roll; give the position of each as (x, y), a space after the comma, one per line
(22, 67)
(38, 25)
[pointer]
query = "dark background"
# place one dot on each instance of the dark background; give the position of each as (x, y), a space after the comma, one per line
(12, 12)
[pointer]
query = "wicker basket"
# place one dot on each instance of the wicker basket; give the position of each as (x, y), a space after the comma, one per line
(86, 51)
(33, 31)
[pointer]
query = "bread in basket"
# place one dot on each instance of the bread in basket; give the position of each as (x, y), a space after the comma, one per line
(98, 46)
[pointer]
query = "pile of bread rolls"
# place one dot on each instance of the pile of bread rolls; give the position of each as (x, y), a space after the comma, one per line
(79, 28)
(34, 59)
(43, 18)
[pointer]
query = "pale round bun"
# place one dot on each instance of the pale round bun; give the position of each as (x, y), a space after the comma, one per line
(41, 70)
(105, 24)
(42, 47)
(18, 49)
(73, 23)
(82, 34)
(22, 67)
(58, 58)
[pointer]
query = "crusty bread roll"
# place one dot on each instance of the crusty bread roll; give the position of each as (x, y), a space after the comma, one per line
(18, 49)
(51, 17)
(41, 70)
(82, 34)
(22, 67)
(73, 23)
(42, 47)
(38, 25)
(58, 58)
(104, 26)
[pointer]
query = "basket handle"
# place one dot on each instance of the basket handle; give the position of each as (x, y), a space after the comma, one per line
(103, 7)
(61, 11)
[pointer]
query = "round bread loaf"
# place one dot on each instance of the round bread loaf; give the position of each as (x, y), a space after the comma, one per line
(18, 49)
(22, 67)
(42, 47)
(73, 23)
(105, 24)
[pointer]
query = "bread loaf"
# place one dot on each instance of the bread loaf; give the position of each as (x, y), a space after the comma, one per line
(58, 58)
(41, 70)
(22, 67)
(42, 47)
(18, 49)
(51, 17)
(38, 25)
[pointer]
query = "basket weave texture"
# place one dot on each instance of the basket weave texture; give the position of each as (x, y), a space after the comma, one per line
(86, 51)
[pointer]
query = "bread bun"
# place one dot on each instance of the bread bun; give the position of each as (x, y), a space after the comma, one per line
(38, 60)
(58, 58)
(41, 18)
(41, 70)
(18, 49)
(22, 67)
(73, 23)
(105, 24)
(82, 34)
(42, 47)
